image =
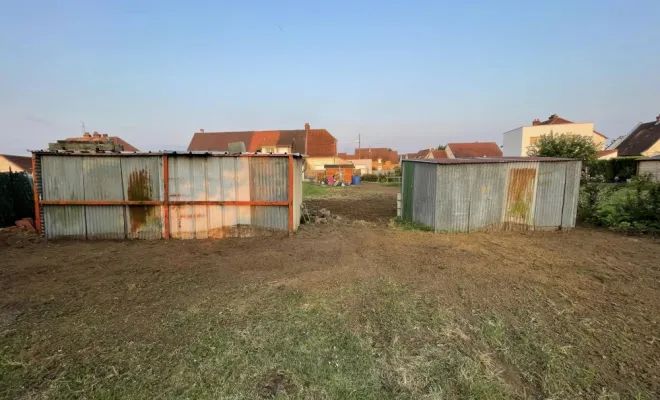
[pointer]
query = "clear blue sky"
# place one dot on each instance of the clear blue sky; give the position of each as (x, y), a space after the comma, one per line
(407, 75)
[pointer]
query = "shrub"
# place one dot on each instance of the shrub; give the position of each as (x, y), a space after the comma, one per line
(564, 145)
(633, 207)
(369, 178)
(622, 168)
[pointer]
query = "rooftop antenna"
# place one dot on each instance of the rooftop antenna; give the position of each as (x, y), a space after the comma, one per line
(82, 124)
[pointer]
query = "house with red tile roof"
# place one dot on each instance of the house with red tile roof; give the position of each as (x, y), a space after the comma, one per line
(15, 163)
(473, 150)
(308, 141)
(517, 141)
(318, 144)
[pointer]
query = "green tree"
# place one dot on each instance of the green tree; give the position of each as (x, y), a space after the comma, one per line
(442, 147)
(564, 145)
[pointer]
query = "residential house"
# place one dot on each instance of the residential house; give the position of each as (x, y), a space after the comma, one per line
(473, 150)
(517, 141)
(607, 154)
(382, 159)
(15, 163)
(93, 142)
(425, 154)
(318, 144)
(643, 140)
(362, 165)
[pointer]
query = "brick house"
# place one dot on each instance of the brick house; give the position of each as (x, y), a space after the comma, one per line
(318, 145)
(15, 163)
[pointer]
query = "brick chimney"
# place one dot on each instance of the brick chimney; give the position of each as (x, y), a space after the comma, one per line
(201, 131)
(306, 138)
(536, 122)
(96, 135)
(87, 135)
(657, 120)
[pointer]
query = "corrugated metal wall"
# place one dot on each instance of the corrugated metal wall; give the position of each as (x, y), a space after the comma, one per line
(407, 185)
(423, 193)
(453, 198)
(550, 194)
(299, 164)
(478, 196)
(191, 178)
(571, 194)
(649, 167)
(488, 185)
(520, 195)
(94, 178)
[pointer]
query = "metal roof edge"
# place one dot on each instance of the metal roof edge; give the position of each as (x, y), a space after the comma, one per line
(488, 160)
(161, 153)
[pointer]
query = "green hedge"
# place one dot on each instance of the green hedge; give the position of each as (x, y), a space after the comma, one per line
(607, 170)
(630, 207)
(369, 178)
(16, 198)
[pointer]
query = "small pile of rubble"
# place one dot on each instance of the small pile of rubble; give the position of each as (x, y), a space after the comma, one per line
(322, 216)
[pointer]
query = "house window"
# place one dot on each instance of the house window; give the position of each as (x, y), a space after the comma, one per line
(268, 149)
(533, 139)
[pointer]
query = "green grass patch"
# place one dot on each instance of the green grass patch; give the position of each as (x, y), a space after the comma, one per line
(400, 223)
(391, 184)
(371, 339)
(313, 190)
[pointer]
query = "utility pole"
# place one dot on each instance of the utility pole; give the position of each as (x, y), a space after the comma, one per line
(359, 147)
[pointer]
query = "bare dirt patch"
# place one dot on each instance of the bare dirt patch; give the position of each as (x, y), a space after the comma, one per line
(371, 202)
(346, 310)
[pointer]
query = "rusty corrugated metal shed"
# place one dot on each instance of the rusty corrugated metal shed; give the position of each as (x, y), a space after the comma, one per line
(494, 194)
(156, 195)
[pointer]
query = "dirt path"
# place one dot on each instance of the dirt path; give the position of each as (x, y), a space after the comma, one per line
(371, 202)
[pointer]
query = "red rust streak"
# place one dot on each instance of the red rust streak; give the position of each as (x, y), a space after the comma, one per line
(35, 193)
(290, 194)
(166, 195)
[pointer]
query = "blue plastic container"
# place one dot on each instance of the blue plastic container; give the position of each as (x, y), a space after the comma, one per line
(355, 180)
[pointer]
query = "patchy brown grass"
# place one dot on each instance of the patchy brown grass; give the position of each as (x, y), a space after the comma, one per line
(342, 310)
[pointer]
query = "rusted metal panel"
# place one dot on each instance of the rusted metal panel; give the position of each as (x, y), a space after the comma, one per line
(452, 198)
(520, 195)
(571, 194)
(182, 187)
(243, 189)
(116, 196)
(487, 194)
(494, 194)
(62, 179)
(142, 181)
(103, 181)
(423, 194)
(550, 195)
(269, 182)
(224, 179)
(297, 191)
(64, 222)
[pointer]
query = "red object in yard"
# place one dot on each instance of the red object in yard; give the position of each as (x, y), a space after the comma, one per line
(27, 223)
